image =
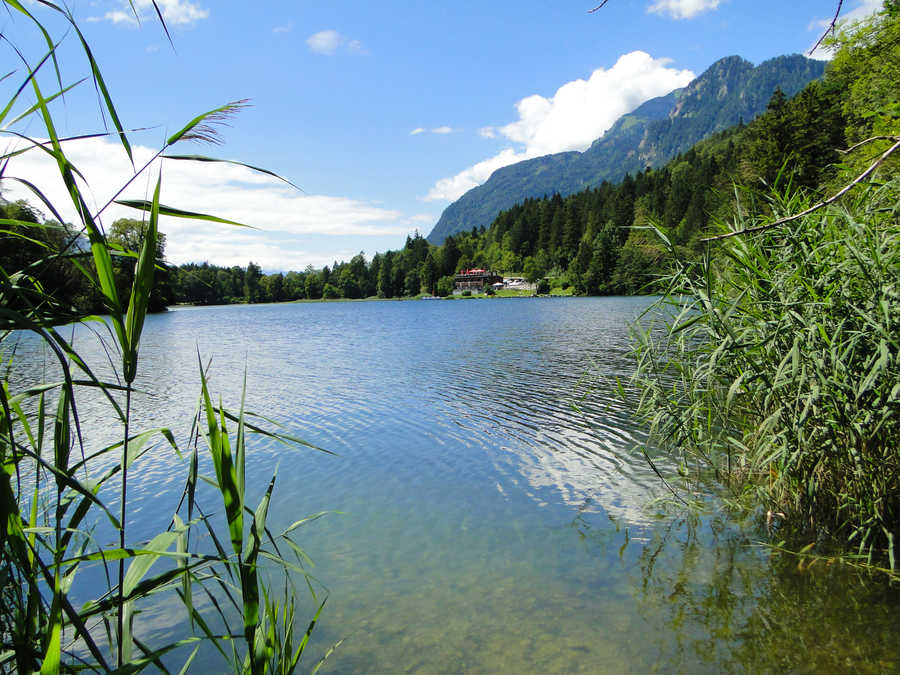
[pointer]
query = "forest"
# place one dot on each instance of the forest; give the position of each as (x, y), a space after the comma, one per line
(596, 242)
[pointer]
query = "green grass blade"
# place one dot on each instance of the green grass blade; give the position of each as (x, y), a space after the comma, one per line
(26, 113)
(141, 289)
(144, 205)
(203, 158)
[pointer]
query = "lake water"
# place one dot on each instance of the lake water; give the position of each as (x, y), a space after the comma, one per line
(494, 515)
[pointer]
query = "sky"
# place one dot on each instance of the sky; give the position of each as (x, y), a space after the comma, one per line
(379, 114)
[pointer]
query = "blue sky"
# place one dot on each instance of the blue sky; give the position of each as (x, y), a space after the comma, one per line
(381, 112)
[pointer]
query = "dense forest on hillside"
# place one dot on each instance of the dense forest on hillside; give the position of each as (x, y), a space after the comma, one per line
(591, 240)
(727, 93)
(599, 242)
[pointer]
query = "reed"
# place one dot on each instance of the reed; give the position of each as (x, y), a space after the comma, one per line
(53, 488)
(776, 368)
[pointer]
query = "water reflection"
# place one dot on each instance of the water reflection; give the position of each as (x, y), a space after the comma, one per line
(729, 605)
(494, 515)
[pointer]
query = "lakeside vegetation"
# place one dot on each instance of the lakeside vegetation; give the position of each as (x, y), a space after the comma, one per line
(599, 241)
(779, 373)
(74, 581)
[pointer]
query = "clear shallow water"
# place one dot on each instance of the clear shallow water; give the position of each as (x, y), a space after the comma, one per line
(494, 515)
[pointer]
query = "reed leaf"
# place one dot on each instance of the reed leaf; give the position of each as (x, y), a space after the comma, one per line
(786, 354)
(162, 210)
(52, 500)
(141, 289)
(203, 158)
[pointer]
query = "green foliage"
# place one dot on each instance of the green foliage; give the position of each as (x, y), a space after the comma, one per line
(865, 66)
(779, 370)
(57, 486)
(444, 286)
(127, 237)
(330, 292)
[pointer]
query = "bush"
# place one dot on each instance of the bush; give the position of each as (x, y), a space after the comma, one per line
(331, 292)
(779, 369)
(444, 286)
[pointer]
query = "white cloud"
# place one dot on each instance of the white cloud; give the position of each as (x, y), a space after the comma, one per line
(440, 131)
(327, 43)
(862, 10)
(578, 113)
(288, 220)
(682, 9)
(286, 28)
(175, 12)
(456, 186)
(324, 42)
(487, 132)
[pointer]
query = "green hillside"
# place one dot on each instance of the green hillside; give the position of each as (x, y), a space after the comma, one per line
(730, 91)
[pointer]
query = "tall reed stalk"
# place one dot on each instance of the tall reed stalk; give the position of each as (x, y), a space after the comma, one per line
(52, 618)
(778, 369)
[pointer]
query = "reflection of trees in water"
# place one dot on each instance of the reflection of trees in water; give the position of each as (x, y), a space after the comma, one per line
(717, 603)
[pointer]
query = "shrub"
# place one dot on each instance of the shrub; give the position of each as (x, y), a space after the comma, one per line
(331, 292)
(444, 286)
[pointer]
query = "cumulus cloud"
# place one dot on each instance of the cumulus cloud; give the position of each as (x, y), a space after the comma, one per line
(578, 113)
(682, 9)
(453, 188)
(328, 42)
(487, 132)
(287, 219)
(175, 12)
(442, 130)
(417, 131)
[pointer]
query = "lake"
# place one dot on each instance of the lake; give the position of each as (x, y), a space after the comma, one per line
(490, 510)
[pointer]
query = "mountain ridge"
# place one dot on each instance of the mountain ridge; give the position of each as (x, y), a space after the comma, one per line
(732, 90)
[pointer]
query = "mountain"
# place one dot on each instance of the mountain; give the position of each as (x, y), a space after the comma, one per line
(730, 91)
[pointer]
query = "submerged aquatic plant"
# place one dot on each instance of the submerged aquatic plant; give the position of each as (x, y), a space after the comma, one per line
(56, 487)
